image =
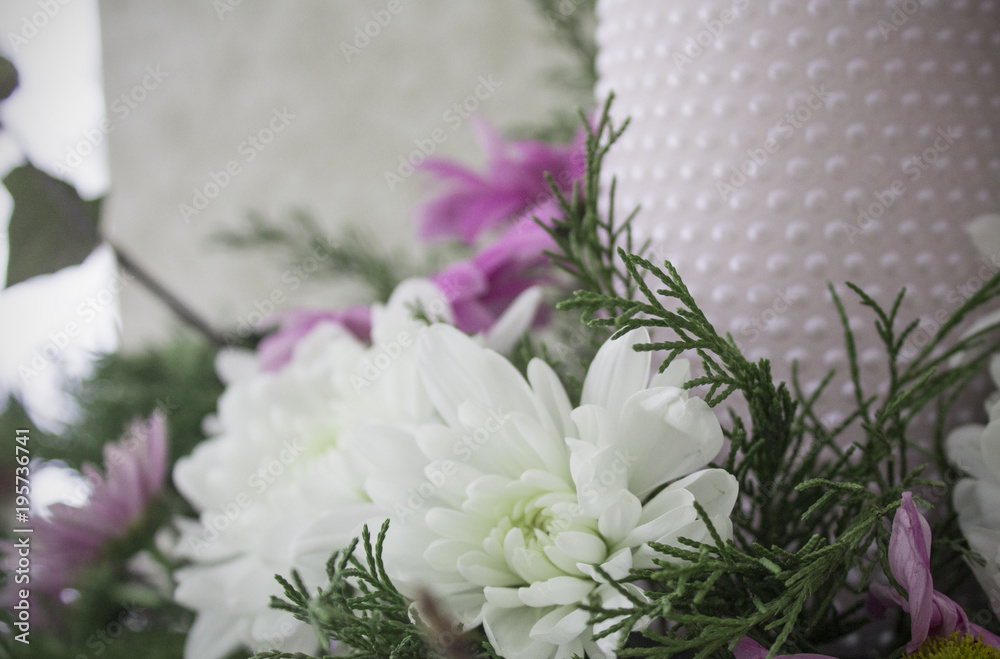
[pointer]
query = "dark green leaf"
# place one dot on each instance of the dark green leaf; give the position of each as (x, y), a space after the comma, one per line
(8, 78)
(51, 227)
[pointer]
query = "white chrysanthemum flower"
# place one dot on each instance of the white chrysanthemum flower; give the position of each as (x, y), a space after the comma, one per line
(280, 464)
(975, 449)
(505, 509)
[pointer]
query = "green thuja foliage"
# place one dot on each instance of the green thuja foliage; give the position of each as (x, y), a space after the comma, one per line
(361, 608)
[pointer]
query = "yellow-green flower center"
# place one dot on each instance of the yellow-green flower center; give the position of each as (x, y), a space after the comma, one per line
(956, 646)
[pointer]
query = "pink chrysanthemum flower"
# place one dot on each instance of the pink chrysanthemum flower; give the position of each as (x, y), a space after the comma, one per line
(73, 537)
(514, 183)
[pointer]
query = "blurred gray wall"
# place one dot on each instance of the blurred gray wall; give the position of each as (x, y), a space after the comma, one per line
(337, 90)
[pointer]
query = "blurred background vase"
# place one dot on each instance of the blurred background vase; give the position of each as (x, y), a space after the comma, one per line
(776, 145)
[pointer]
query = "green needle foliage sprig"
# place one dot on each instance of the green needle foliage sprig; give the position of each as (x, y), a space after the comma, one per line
(361, 608)
(350, 253)
(586, 243)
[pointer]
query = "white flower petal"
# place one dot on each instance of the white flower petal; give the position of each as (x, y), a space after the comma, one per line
(985, 234)
(600, 474)
(991, 447)
(313, 546)
(715, 489)
(214, 635)
(617, 566)
(396, 319)
(505, 598)
(546, 385)
(455, 369)
(515, 321)
(594, 425)
(438, 442)
(668, 499)
(620, 517)
(509, 632)
(964, 446)
(557, 591)
(550, 449)
(562, 625)
(443, 554)
(664, 435)
(675, 375)
(456, 525)
(529, 564)
(617, 372)
(582, 547)
(482, 570)
(659, 527)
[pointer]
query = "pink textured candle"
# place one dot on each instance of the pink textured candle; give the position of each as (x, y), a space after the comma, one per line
(777, 145)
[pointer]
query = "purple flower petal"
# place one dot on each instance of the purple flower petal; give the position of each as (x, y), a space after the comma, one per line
(931, 613)
(514, 181)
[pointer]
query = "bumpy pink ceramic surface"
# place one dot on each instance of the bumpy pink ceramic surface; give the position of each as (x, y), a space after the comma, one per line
(776, 145)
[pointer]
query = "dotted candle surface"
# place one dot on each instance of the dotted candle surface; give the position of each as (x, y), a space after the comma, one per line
(778, 145)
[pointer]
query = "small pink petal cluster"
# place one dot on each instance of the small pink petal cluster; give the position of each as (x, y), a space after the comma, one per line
(275, 351)
(135, 469)
(481, 288)
(931, 613)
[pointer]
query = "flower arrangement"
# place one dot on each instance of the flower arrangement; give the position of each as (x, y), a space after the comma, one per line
(542, 449)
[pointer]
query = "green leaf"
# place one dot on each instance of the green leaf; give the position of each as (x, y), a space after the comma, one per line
(8, 78)
(51, 227)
